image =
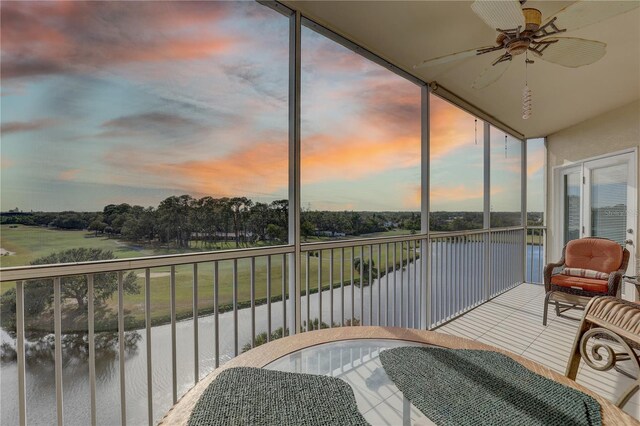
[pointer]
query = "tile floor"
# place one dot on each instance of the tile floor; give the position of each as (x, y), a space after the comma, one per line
(513, 321)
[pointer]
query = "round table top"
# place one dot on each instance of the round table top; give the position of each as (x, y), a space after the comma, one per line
(271, 355)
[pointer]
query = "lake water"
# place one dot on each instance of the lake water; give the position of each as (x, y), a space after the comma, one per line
(40, 381)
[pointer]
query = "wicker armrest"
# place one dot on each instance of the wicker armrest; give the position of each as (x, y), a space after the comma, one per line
(615, 278)
(548, 272)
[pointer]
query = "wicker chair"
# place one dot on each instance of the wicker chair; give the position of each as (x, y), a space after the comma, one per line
(614, 326)
(602, 260)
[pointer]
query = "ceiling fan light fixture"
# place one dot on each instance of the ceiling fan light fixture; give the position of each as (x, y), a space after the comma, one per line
(532, 18)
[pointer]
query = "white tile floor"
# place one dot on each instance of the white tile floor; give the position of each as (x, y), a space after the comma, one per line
(513, 321)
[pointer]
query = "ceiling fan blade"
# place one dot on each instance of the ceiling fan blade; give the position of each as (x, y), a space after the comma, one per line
(573, 52)
(490, 75)
(583, 13)
(449, 58)
(505, 14)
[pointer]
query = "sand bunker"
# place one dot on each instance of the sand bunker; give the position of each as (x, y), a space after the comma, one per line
(4, 252)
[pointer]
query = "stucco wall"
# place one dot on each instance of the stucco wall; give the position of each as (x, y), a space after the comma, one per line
(613, 131)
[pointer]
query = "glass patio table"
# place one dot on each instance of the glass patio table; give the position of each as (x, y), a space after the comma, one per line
(352, 354)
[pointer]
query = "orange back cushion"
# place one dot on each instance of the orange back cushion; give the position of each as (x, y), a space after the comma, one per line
(593, 253)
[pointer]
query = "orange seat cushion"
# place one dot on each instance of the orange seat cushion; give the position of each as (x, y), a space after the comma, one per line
(595, 254)
(586, 284)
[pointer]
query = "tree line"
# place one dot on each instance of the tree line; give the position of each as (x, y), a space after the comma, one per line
(184, 221)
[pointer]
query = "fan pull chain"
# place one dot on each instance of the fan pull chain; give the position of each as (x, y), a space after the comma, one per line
(526, 92)
(476, 131)
(505, 146)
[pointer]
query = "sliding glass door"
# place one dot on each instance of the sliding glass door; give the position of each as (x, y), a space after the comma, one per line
(607, 198)
(598, 198)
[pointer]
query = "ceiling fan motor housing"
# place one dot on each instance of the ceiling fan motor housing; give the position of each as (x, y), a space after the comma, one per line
(520, 43)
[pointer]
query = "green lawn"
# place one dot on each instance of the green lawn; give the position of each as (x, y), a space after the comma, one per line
(32, 242)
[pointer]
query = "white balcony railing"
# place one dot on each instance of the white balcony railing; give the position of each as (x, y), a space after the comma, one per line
(414, 281)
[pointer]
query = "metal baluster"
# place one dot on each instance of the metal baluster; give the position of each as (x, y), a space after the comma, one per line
(252, 279)
(57, 326)
(442, 286)
(172, 303)
(435, 279)
(123, 395)
(410, 288)
(407, 311)
(540, 256)
(533, 244)
(92, 346)
(370, 284)
(419, 264)
(196, 350)
(269, 297)
(449, 272)
(308, 295)
(401, 283)
(22, 394)
(473, 271)
(417, 274)
(386, 275)
(342, 288)
(435, 282)
(457, 290)
(331, 288)
(479, 268)
(453, 271)
(216, 315)
(147, 321)
(464, 260)
(379, 285)
(284, 295)
(234, 273)
(395, 284)
(353, 290)
(416, 299)
(319, 289)
(361, 285)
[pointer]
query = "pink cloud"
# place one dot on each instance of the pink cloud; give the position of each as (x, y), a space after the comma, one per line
(5, 162)
(41, 38)
(25, 126)
(69, 174)
(451, 128)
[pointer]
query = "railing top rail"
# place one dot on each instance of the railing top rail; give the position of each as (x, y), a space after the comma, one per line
(444, 234)
(506, 228)
(30, 272)
(327, 245)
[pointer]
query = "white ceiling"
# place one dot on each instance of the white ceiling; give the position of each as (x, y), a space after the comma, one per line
(406, 33)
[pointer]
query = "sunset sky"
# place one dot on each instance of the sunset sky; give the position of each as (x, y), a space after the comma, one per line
(132, 102)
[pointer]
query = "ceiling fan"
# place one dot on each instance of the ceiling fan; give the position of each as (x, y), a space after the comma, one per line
(520, 30)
